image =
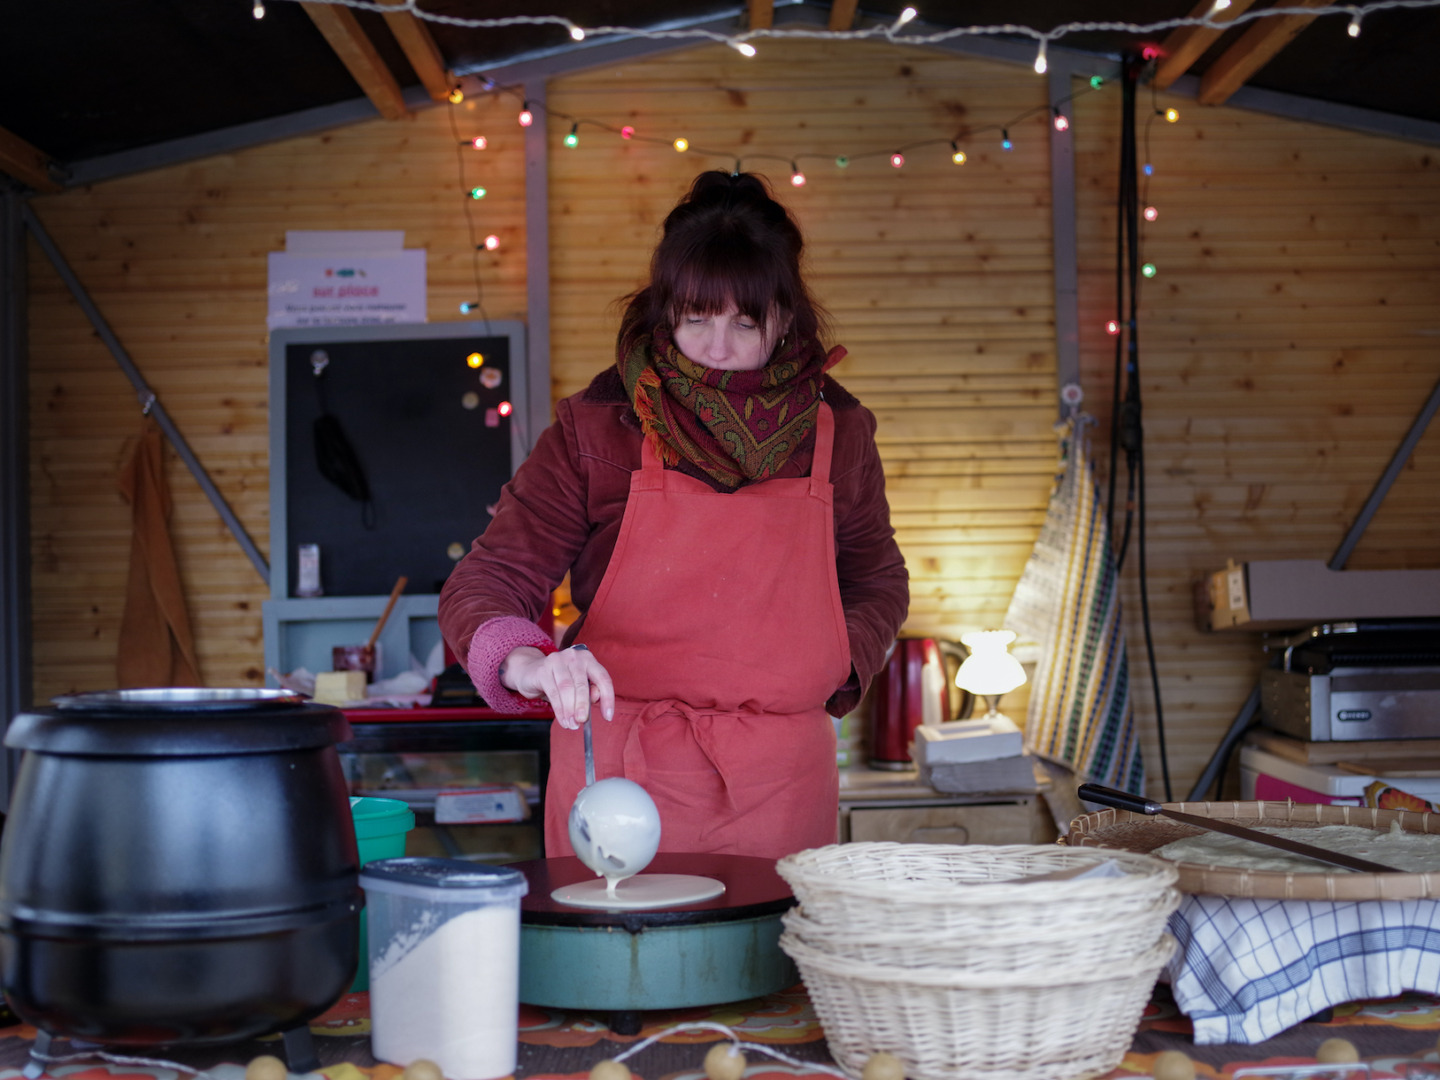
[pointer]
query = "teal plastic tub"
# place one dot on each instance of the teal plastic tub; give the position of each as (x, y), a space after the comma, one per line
(380, 829)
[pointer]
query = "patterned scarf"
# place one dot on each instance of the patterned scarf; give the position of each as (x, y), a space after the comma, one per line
(733, 425)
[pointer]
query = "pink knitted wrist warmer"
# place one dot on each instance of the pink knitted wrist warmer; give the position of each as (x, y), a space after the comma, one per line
(488, 649)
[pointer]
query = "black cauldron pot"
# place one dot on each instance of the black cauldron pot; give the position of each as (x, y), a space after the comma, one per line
(178, 866)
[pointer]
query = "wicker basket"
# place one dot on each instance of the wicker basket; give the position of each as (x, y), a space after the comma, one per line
(933, 893)
(1027, 946)
(1060, 1025)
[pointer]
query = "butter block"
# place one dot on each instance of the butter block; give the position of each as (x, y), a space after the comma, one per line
(339, 687)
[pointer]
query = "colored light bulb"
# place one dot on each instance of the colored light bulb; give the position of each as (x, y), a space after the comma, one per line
(1062, 122)
(842, 162)
(797, 178)
(577, 34)
(572, 137)
(466, 307)
(1172, 115)
(1112, 328)
(1151, 213)
(505, 408)
(475, 359)
(1148, 269)
(1096, 82)
(897, 160)
(456, 95)
(682, 144)
(477, 193)
(1148, 169)
(627, 132)
(479, 142)
(526, 117)
(492, 242)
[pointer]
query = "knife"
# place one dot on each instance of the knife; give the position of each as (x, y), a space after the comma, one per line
(1123, 800)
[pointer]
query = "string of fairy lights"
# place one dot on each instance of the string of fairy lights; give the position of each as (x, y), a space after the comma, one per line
(903, 29)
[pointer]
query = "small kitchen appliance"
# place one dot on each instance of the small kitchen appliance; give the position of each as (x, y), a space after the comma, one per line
(1358, 680)
(916, 686)
(178, 866)
(705, 953)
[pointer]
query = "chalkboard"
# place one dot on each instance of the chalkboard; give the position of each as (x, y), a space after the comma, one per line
(430, 412)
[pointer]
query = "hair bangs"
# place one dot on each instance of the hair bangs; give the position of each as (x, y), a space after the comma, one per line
(722, 270)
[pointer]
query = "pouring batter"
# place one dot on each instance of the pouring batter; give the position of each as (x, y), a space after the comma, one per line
(719, 504)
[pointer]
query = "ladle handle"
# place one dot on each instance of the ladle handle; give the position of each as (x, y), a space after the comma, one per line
(589, 754)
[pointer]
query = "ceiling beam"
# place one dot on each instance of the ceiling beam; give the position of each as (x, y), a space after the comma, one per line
(1256, 48)
(422, 52)
(1186, 44)
(356, 51)
(842, 14)
(762, 14)
(25, 163)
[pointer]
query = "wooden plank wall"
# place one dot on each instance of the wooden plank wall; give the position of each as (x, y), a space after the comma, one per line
(1285, 345)
(937, 275)
(176, 261)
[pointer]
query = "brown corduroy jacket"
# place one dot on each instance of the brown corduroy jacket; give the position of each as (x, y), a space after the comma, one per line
(562, 512)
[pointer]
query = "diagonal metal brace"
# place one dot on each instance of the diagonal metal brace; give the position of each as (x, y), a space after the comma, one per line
(150, 404)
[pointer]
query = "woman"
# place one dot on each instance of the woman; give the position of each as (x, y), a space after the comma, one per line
(720, 506)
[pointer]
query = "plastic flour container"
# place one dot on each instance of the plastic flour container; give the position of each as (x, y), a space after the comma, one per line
(444, 945)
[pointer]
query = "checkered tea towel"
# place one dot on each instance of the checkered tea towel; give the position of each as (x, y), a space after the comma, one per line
(1247, 969)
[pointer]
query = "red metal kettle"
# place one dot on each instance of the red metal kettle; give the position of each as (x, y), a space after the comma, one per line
(916, 685)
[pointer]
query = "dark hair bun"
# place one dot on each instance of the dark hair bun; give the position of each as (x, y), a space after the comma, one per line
(717, 188)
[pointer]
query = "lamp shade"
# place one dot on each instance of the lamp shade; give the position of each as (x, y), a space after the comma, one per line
(989, 670)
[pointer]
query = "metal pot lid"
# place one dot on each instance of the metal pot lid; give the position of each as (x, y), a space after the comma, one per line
(174, 722)
(180, 699)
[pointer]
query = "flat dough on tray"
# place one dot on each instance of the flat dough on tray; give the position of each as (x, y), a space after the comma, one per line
(1147, 835)
(1409, 852)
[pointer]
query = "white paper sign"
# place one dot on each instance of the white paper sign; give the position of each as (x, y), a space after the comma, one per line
(346, 288)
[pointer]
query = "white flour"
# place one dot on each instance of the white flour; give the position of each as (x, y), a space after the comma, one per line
(454, 998)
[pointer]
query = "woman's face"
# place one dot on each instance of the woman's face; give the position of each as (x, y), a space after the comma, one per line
(728, 341)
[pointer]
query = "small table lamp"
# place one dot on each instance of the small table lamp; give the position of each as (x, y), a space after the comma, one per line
(989, 671)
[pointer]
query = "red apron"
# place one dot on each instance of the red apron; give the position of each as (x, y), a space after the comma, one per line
(719, 620)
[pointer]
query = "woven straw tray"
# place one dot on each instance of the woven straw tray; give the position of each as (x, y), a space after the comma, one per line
(1144, 834)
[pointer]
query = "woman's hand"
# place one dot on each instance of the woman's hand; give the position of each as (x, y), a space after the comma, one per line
(572, 680)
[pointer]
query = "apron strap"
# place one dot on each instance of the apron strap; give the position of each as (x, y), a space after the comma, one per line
(824, 447)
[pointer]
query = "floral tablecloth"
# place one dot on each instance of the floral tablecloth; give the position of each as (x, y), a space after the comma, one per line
(1396, 1038)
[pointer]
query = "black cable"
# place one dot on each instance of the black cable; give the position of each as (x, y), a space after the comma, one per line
(1126, 427)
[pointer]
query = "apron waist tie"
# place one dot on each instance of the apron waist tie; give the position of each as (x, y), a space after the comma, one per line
(702, 724)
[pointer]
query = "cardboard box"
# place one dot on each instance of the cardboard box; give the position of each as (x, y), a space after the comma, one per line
(1282, 594)
(982, 739)
(482, 804)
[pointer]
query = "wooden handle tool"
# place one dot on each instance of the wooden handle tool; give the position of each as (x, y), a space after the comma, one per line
(384, 615)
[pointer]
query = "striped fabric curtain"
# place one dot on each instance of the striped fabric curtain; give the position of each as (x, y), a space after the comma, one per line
(1068, 601)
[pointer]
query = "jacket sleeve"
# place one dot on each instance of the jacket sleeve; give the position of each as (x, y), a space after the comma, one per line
(874, 584)
(492, 599)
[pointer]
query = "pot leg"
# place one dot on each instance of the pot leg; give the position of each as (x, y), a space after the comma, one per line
(299, 1050)
(39, 1053)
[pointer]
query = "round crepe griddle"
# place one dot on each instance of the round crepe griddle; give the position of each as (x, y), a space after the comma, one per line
(706, 953)
(1146, 834)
